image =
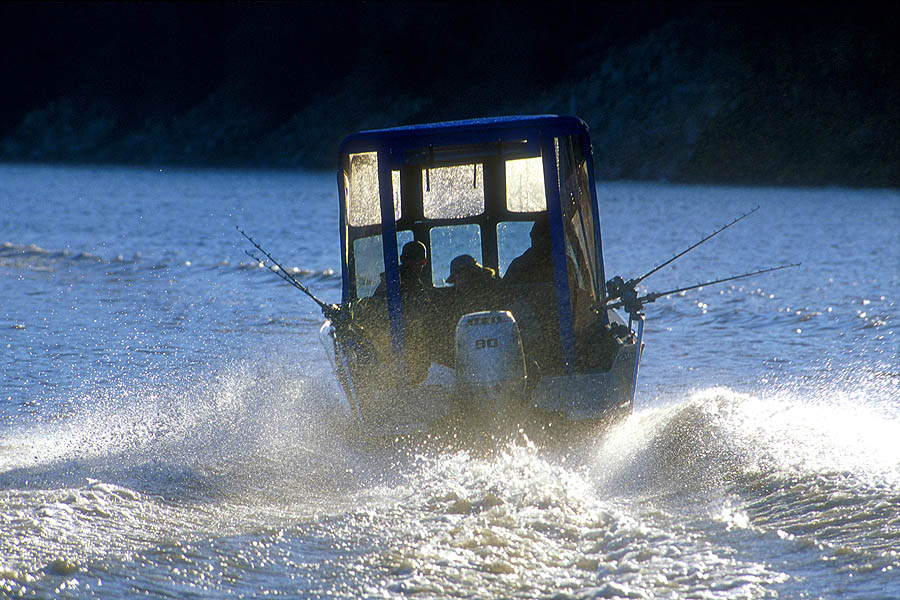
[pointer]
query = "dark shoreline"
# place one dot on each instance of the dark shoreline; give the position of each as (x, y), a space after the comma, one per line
(718, 93)
(163, 167)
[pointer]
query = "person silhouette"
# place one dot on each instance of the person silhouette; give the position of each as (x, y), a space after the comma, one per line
(413, 259)
(536, 263)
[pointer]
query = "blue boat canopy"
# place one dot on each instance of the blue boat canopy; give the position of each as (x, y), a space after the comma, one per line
(481, 188)
(473, 130)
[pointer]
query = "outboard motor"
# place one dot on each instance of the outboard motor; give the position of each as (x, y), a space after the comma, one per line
(490, 362)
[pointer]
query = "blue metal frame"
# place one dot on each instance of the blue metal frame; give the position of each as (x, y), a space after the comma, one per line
(595, 206)
(560, 269)
(398, 139)
(389, 249)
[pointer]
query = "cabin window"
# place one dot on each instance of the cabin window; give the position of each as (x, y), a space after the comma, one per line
(525, 185)
(449, 242)
(453, 192)
(575, 199)
(368, 253)
(361, 179)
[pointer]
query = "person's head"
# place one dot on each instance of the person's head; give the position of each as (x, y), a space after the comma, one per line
(464, 269)
(414, 256)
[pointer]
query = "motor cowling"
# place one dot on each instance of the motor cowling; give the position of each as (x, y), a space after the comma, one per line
(490, 361)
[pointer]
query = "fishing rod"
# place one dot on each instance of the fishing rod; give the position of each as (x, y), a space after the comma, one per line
(331, 311)
(634, 304)
(634, 282)
(277, 270)
(626, 291)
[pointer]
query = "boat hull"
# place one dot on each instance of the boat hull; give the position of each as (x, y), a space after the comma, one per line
(441, 408)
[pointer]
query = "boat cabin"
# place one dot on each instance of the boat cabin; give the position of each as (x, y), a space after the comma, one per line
(510, 204)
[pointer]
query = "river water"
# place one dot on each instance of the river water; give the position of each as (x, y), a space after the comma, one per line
(169, 426)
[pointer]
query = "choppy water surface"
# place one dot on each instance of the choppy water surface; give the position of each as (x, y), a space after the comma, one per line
(168, 425)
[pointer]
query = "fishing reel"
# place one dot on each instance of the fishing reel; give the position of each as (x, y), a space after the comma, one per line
(336, 314)
(626, 293)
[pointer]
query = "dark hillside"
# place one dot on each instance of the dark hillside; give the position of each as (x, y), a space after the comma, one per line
(748, 93)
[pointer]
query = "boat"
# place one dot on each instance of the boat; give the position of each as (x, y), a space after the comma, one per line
(474, 293)
(533, 335)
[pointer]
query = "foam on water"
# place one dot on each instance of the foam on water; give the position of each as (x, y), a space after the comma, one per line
(253, 466)
(820, 472)
(782, 434)
(529, 525)
(252, 410)
(134, 467)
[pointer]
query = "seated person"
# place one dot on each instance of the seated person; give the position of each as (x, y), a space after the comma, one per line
(413, 259)
(475, 285)
(536, 263)
(418, 312)
(530, 278)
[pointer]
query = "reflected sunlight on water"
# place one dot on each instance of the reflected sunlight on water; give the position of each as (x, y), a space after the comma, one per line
(169, 425)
